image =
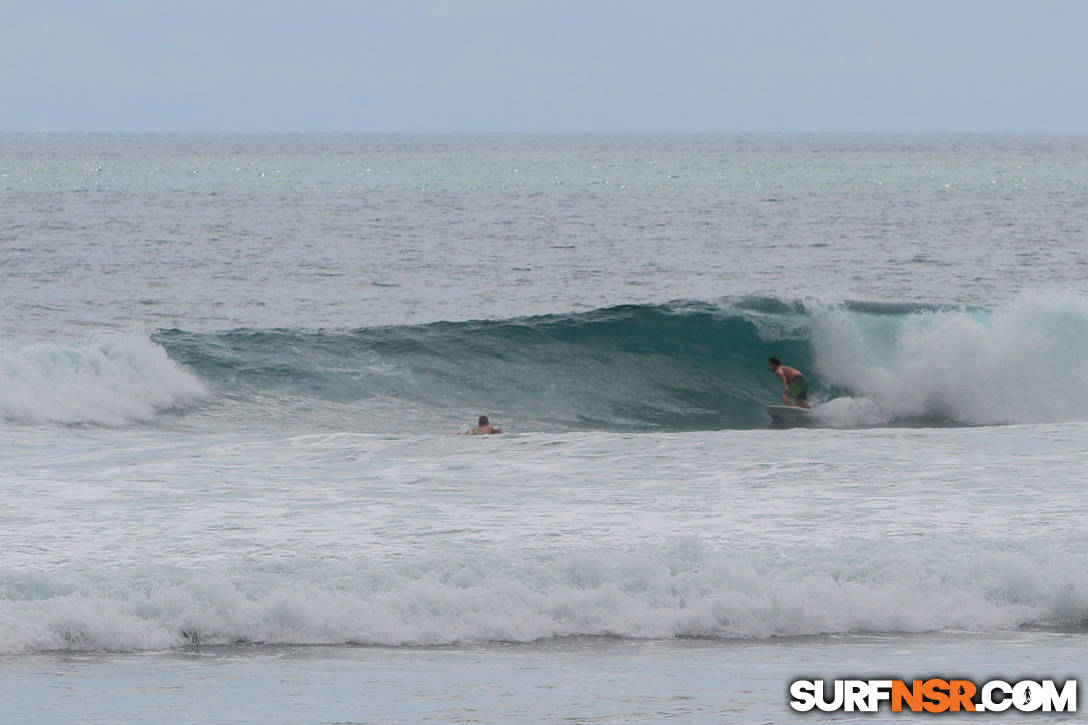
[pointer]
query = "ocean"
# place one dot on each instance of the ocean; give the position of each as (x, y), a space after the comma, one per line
(234, 368)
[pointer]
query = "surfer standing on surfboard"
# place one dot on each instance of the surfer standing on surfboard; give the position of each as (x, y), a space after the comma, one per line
(795, 382)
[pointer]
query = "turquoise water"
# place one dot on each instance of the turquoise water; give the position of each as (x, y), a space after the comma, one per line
(233, 368)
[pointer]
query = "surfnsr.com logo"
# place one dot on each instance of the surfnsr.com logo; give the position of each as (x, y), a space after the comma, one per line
(934, 695)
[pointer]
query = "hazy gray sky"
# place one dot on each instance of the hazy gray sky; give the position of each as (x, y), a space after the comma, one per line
(563, 65)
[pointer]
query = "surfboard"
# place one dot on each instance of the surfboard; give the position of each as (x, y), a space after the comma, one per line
(788, 413)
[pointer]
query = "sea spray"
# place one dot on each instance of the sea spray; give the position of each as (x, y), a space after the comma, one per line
(1019, 363)
(105, 379)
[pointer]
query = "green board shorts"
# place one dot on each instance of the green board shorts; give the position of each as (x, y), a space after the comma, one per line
(798, 388)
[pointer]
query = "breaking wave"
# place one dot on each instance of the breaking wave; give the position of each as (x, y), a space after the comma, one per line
(681, 590)
(681, 366)
(674, 367)
(105, 379)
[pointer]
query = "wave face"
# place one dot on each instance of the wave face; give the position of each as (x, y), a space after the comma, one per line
(685, 366)
(676, 367)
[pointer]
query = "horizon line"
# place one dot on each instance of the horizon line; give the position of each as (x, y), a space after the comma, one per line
(144, 132)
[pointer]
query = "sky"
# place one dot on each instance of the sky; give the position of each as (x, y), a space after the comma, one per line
(544, 66)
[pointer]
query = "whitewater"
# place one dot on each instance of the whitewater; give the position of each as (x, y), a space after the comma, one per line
(234, 369)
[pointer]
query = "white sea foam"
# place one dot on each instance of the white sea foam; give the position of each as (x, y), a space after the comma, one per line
(105, 379)
(681, 591)
(1021, 363)
(847, 412)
